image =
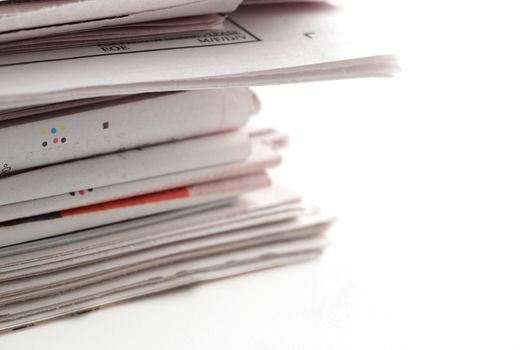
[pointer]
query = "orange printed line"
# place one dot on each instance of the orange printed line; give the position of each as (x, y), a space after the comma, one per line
(176, 193)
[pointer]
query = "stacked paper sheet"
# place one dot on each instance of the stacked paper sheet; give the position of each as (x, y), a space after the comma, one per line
(127, 167)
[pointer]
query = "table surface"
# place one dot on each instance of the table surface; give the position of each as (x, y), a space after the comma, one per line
(424, 174)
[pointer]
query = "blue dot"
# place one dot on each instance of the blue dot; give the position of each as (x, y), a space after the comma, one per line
(53, 131)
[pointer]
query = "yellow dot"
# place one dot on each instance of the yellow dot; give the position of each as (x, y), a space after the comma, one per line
(44, 132)
(62, 127)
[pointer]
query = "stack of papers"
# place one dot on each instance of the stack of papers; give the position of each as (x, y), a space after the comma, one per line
(127, 163)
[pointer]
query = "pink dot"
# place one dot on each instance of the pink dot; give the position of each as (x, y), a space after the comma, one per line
(55, 140)
(82, 192)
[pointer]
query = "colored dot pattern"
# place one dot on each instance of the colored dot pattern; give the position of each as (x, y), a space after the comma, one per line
(81, 192)
(53, 131)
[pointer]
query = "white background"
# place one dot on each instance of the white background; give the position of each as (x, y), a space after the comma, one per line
(424, 172)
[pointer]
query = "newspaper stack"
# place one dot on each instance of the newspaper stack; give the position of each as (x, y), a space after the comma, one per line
(127, 167)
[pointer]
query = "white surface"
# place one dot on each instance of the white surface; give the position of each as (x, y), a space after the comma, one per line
(425, 174)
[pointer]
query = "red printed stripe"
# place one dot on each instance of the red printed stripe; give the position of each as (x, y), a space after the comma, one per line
(163, 196)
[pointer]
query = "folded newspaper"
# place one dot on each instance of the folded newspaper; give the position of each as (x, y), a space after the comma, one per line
(258, 45)
(127, 166)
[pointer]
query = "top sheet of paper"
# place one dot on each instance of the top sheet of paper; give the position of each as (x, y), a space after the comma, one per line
(48, 18)
(33, 14)
(259, 45)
